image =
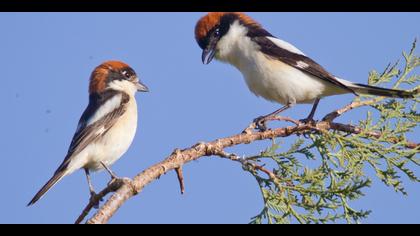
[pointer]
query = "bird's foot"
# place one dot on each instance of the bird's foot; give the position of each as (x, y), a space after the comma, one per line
(96, 199)
(308, 120)
(260, 123)
(117, 181)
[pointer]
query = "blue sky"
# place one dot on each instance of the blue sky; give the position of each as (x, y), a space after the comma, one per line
(47, 59)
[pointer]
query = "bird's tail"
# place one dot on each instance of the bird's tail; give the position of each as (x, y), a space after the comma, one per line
(373, 90)
(57, 177)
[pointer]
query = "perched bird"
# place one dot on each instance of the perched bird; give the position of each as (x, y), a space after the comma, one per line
(107, 126)
(273, 69)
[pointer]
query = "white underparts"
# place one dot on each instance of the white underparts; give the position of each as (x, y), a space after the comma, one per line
(268, 77)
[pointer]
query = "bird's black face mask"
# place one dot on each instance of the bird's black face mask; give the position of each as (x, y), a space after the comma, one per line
(210, 50)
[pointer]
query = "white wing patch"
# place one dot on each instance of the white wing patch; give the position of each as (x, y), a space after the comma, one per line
(348, 83)
(302, 64)
(285, 45)
(109, 106)
(100, 131)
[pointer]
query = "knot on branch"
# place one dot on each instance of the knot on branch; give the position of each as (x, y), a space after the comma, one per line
(115, 184)
(176, 154)
(208, 149)
(130, 183)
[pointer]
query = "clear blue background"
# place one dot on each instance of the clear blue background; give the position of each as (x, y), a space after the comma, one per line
(46, 60)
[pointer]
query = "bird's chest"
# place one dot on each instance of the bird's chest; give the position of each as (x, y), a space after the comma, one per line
(117, 140)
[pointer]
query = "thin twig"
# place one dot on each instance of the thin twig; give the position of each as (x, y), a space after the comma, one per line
(180, 179)
(351, 129)
(244, 162)
(285, 118)
(333, 115)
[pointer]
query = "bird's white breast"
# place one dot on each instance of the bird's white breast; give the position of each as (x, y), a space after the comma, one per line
(116, 141)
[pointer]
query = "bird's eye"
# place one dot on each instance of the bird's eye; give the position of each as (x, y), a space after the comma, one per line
(217, 32)
(127, 74)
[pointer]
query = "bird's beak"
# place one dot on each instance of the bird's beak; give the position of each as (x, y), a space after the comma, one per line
(141, 87)
(209, 51)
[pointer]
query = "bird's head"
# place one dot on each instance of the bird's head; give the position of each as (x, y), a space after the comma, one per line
(217, 32)
(115, 75)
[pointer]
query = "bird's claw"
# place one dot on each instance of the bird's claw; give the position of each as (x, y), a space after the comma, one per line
(261, 123)
(115, 179)
(96, 199)
(308, 120)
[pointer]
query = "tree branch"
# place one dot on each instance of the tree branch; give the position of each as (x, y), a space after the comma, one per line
(180, 179)
(245, 162)
(333, 115)
(127, 188)
(112, 187)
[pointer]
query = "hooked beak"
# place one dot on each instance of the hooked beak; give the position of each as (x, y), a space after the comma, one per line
(209, 52)
(141, 87)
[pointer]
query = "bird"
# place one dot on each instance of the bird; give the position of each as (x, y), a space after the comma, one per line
(107, 126)
(273, 68)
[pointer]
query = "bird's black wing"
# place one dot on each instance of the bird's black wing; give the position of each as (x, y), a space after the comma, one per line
(298, 61)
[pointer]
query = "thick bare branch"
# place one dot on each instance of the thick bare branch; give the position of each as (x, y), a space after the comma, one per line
(178, 158)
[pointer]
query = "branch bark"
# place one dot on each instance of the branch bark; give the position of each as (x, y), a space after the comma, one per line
(128, 188)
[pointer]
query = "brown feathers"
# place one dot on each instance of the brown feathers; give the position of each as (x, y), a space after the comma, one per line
(98, 78)
(206, 23)
(212, 19)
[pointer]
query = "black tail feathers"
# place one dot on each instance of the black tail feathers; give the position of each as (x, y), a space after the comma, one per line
(372, 90)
